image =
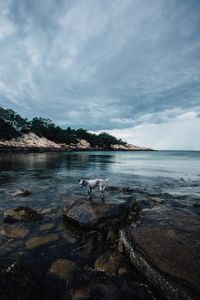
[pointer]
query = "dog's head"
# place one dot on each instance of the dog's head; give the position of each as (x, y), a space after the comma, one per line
(82, 183)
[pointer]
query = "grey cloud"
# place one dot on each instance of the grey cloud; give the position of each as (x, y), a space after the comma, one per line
(100, 64)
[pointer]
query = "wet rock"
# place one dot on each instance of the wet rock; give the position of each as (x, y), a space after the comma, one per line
(165, 247)
(22, 192)
(41, 240)
(121, 271)
(92, 291)
(127, 190)
(46, 226)
(110, 263)
(63, 269)
(69, 237)
(85, 249)
(108, 289)
(91, 214)
(112, 188)
(22, 213)
(14, 232)
(7, 247)
(155, 198)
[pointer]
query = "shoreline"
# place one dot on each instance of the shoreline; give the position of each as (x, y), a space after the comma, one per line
(42, 150)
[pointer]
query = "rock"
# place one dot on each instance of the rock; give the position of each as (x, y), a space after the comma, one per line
(129, 147)
(84, 250)
(64, 269)
(165, 247)
(122, 271)
(21, 192)
(127, 190)
(20, 281)
(14, 232)
(83, 145)
(93, 291)
(110, 263)
(22, 213)
(46, 226)
(29, 141)
(90, 214)
(69, 237)
(41, 240)
(155, 198)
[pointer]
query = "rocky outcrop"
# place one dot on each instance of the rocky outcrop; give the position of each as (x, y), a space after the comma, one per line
(29, 141)
(32, 142)
(165, 247)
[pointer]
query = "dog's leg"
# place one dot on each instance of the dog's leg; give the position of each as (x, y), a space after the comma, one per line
(102, 193)
(89, 194)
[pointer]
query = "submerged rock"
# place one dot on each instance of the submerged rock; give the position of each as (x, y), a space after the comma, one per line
(22, 213)
(111, 263)
(63, 269)
(21, 192)
(41, 240)
(91, 214)
(165, 247)
(14, 232)
(46, 226)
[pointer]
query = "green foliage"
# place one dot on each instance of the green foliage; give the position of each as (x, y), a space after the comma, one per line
(12, 125)
(14, 120)
(7, 132)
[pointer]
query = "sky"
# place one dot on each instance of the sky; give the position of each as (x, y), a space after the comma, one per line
(131, 67)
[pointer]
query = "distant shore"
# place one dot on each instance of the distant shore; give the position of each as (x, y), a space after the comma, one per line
(30, 142)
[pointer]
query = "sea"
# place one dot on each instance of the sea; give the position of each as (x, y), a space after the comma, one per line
(28, 249)
(53, 177)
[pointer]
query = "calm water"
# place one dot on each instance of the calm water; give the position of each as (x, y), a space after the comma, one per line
(54, 176)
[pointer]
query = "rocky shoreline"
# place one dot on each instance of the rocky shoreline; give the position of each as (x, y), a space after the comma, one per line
(30, 142)
(133, 246)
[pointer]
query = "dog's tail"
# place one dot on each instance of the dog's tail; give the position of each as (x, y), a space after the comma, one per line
(107, 179)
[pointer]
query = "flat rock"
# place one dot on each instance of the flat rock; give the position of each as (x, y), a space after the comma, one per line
(46, 226)
(21, 213)
(90, 214)
(41, 240)
(165, 246)
(13, 231)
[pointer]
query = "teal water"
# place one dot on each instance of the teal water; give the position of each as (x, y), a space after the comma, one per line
(53, 176)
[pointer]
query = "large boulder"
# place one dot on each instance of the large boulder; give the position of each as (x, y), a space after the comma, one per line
(91, 214)
(165, 246)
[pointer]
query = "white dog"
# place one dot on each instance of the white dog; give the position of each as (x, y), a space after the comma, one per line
(91, 184)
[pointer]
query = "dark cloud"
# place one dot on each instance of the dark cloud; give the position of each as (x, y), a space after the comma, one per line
(100, 64)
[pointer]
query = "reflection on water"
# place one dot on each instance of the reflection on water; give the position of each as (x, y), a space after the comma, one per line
(53, 176)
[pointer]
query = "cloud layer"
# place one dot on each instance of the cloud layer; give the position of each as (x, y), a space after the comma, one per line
(101, 65)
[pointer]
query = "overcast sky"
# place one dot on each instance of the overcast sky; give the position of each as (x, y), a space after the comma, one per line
(130, 67)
